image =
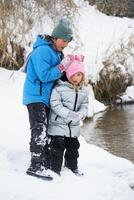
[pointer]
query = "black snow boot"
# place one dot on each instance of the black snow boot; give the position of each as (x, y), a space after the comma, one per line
(37, 169)
(77, 172)
(36, 165)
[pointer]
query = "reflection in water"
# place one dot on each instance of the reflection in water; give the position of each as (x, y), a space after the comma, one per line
(113, 130)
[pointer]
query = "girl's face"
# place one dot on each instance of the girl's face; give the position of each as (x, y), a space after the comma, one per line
(76, 78)
(60, 44)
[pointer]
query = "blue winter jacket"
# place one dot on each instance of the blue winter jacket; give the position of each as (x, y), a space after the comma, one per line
(42, 72)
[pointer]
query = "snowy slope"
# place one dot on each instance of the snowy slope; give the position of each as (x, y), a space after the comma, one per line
(100, 35)
(95, 34)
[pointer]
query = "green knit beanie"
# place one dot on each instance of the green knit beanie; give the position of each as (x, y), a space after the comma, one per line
(63, 30)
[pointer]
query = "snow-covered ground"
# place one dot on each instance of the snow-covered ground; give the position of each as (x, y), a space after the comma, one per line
(106, 177)
(128, 96)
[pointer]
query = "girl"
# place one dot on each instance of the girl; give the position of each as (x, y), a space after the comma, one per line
(69, 105)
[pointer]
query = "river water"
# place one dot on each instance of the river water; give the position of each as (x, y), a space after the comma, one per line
(112, 130)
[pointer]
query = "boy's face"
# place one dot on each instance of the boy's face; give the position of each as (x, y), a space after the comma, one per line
(76, 78)
(60, 44)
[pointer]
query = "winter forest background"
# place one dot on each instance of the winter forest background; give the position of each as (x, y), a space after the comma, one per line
(109, 60)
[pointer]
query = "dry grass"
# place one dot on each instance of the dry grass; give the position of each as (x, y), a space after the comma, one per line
(11, 53)
(18, 17)
(117, 73)
(124, 8)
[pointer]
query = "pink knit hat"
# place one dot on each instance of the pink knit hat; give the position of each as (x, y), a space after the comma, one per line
(75, 66)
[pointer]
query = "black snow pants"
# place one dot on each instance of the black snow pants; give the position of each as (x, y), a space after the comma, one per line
(38, 118)
(63, 147)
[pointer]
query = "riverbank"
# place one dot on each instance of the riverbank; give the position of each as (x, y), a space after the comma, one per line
(127, 97)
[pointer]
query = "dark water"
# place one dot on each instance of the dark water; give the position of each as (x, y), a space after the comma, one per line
(113, 130)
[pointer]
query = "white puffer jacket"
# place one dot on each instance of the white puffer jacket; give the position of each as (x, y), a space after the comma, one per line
(63, 99)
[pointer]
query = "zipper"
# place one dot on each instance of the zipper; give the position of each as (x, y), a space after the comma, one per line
(40, 83)
(40, 88)
(69, 129)
(76, 98)
(56, 117)
(75, 103)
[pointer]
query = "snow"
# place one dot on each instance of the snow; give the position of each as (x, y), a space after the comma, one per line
(128, 95)
(106, 177)
(95, 35)
(100, 35)
(94, 105)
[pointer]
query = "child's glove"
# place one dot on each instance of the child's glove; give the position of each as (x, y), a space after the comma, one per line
(74, 116)
(65, 63)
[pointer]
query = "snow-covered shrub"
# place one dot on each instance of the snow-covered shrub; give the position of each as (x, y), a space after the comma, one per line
(121, 8)
(11, 56)
(117, 73)
(20, 20)
(11, 52)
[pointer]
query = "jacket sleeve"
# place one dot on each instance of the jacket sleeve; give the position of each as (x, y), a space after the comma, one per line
(83, 110)
(41, 63)
(56, 104)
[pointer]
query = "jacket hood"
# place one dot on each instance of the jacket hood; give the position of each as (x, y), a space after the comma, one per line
(40, 41)
(66, 83)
